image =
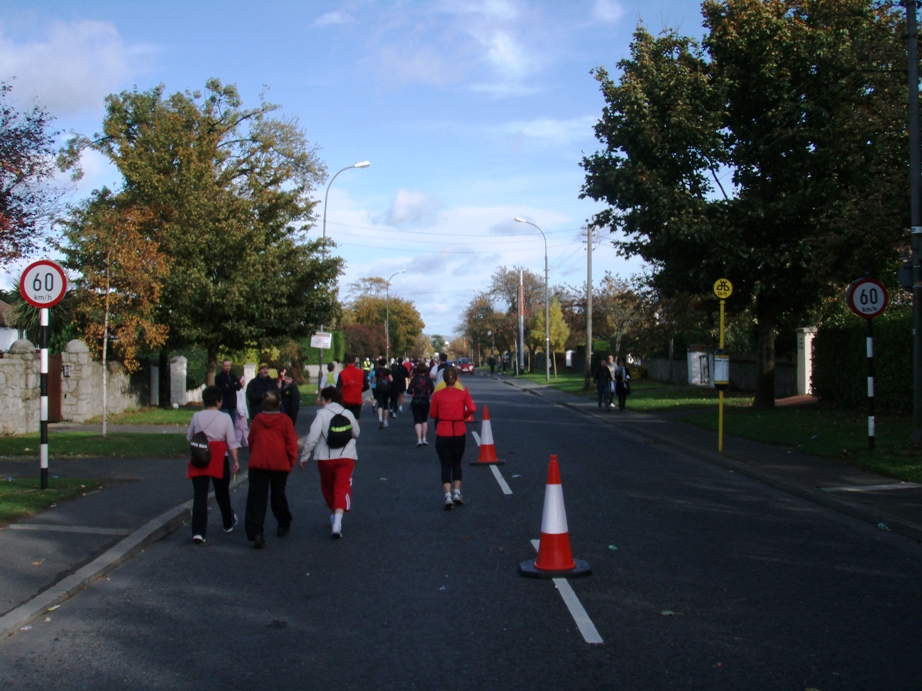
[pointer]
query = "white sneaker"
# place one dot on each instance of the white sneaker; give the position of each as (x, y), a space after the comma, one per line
(385, 423)
(419, 442)
(198, 539)
(233, 525)
(456, 498)
(425, 442)
(449, 504)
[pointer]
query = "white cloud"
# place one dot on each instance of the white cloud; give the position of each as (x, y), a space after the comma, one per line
(412, 209)
(331, 18)
(608, 11)
(422, 65)
(554, 131)
(73, 68)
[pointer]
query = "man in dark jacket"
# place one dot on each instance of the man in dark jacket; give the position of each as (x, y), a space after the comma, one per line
(291, 398)
(257, 388)
(229, 384)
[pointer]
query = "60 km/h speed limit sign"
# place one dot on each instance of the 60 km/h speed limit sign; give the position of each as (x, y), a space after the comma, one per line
(43, 283)
(867, 297)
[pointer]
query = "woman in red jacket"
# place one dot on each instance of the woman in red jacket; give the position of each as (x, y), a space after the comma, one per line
(449, 407)
(273, 452)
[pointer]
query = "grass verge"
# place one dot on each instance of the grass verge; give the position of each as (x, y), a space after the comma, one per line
(838, 434)
(70, 444)
(150, 416)
(21, 498)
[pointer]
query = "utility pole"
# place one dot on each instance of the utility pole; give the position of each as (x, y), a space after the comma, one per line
(915, 221)
(588, 379)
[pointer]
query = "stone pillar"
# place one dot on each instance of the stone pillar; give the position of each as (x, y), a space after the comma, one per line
(805, 359)
(154, 382)
(178, 380)
(249, 372)
(697, 365)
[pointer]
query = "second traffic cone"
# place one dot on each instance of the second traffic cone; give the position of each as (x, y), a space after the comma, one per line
(487, 448)
(555, 558)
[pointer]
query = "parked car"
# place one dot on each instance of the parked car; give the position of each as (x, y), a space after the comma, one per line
(464, 365)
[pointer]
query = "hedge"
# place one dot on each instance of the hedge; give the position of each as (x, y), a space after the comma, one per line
(840, 363)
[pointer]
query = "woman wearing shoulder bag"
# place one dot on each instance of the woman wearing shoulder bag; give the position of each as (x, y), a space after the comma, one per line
(222, 441)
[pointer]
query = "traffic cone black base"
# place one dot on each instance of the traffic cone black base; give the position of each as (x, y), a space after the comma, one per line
(527, 568)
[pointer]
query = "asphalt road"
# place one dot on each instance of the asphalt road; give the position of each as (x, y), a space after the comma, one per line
(702, 579)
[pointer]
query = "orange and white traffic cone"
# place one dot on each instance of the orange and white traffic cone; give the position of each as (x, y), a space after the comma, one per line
(555, 559)
(487, 448)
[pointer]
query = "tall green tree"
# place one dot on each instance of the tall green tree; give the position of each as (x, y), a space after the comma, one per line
(761, 154)
(369, 307)
(230, 191)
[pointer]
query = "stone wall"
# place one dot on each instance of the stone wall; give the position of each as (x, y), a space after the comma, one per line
(82, 390)
(19, 389)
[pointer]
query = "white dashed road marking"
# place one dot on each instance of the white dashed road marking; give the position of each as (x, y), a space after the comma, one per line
(577, 611)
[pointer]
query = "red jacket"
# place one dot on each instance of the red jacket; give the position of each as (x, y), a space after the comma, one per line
(273, 442)
(449, 406)
(351, 382)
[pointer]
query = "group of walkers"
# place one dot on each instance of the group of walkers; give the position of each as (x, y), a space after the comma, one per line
(612, 380)
(273, 405)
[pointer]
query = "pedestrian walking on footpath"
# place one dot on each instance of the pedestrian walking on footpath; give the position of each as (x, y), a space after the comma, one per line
(257, 388)
(230, 385)
(335, 452)
(603, 384)
(222, 441)
(420, 390)
(398, 387)
(622, 383)
(273, 453)
(291, 398)
(449, 407)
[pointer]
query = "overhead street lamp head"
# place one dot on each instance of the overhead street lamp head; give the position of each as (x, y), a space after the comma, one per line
(362, 164)
(519, 219)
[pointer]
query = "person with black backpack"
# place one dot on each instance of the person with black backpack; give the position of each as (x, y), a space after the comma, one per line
(332, 440)
(420, 388)
(382, 385)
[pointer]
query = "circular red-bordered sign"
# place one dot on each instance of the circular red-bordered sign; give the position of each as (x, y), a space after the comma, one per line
(43, 283)
(867, 297)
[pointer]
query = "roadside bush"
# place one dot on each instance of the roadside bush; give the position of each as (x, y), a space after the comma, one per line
(840, 362)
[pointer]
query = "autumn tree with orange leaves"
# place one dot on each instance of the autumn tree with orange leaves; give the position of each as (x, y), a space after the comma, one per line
(120, 280)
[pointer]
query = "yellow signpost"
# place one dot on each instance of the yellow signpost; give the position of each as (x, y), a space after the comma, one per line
(722, 289)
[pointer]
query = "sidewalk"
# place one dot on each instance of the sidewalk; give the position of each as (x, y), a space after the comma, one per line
(51, 556)
(890, 504)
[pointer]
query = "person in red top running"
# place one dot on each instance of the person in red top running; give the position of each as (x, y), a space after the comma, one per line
(273, 453)
(352, 383)
(449, 407)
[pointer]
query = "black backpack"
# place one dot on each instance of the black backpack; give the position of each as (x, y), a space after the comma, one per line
(381, 382)
(200, 451)
(340, 432)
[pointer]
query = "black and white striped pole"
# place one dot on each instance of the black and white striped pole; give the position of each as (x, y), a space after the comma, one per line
(868, 298)
(43, 285)
(43, 379)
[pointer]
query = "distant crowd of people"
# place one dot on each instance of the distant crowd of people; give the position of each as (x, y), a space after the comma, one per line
(262, 416)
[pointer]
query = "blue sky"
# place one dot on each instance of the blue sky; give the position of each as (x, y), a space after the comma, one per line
(470, 112)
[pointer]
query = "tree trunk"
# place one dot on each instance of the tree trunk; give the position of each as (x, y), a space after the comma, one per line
(765, 386)
(164, 368)
(212, 367)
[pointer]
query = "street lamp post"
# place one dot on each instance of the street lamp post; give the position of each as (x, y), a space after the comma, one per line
(547, 307)
(360, 164)
(387, 317)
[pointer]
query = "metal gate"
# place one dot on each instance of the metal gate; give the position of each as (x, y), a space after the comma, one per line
(54, 389)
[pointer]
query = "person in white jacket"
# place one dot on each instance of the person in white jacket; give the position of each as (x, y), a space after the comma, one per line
(335, 465)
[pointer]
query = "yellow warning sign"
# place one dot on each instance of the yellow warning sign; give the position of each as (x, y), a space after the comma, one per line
(723, 288)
